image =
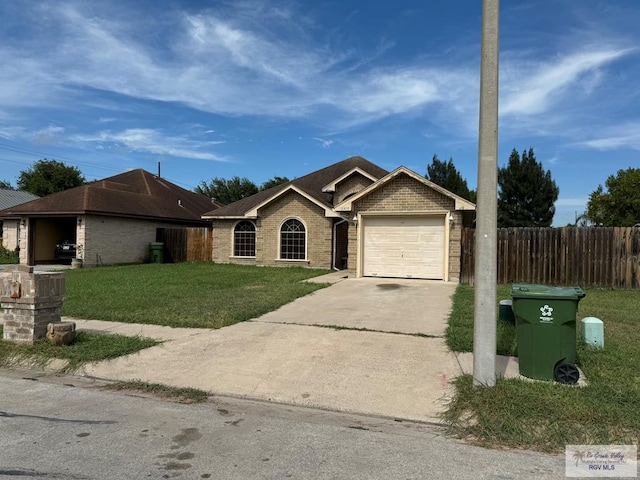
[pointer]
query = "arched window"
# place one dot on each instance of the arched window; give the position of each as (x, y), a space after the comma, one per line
(244, 239)
(293, 240)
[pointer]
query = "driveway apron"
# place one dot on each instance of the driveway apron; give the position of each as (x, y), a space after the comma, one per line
(369, 346)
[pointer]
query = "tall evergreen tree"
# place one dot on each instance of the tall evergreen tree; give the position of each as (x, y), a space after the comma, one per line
(447, 176)
(526, 192)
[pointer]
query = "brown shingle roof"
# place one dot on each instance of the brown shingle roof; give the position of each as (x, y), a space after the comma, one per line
(311, 184)
(136, 193)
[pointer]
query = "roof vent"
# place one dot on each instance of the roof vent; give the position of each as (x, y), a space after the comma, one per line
(179, 203)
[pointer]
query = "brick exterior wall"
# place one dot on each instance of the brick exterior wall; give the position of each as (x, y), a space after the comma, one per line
(352, 184)
(352, 247)
(24, 243)
(9, 234)
(270, 218)
(405, 194)
(108, 240)
(455, 247)
(223, 242)
(402, 194)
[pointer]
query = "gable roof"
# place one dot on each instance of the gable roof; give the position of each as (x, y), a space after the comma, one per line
(331, 187)
(460, 203)
(136, 193)
(11, 198)
(310, 186)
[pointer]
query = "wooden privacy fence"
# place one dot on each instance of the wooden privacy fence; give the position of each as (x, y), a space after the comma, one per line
(602, 257)
(186, 244)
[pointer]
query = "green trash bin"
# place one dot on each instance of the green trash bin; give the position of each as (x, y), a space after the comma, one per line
(546, 331)
(156, 252)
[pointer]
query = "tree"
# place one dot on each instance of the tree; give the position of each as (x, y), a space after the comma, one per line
(582, 220)
(619, 206)
(273, 182)
(6, 185)
(526, 192)
(45, 177)
(227, 191)
(447, 176)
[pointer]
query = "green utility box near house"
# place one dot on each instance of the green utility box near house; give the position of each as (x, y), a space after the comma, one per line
(156, 252)
(546, 330)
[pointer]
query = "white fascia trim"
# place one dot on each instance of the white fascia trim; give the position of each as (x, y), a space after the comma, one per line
(418, 213)
(460, 203)
(227, 217)
(328, 212)
(331, 187)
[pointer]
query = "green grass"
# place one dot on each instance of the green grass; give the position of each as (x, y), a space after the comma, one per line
(544, 415)
(182, 395)
(203, 295)
(87, 348)
(459, 332)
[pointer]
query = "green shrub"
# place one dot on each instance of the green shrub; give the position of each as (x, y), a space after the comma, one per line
(9, 256)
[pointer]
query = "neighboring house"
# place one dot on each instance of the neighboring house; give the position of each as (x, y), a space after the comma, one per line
(351, 215)
(111, 220)
(10, 233)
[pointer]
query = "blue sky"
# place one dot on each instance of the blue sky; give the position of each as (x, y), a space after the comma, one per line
(263, 88)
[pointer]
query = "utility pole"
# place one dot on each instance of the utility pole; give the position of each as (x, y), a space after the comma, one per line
(484, 327)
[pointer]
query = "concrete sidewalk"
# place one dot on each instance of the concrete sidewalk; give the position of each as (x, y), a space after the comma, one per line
(313, 352)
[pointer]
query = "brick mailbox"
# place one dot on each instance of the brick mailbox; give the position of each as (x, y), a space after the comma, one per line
(30, 301)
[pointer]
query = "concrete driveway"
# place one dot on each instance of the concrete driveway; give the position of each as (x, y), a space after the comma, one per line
(370, 346)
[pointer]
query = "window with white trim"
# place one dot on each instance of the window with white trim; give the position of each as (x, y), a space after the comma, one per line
(293, 240)
(244, 239)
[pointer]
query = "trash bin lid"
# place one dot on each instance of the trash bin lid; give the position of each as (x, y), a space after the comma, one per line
(529, 290)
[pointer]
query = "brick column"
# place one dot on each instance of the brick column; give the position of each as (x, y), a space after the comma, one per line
(352, 246)
(30, 301)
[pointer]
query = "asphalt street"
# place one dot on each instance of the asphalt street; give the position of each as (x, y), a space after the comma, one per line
(67, 428)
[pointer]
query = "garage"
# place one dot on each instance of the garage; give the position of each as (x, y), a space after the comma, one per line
(404, 246)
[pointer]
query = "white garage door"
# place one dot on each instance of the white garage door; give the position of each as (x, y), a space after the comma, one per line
(405, 247)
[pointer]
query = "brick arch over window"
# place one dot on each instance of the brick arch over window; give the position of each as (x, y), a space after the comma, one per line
(293, 240)
(244, 239)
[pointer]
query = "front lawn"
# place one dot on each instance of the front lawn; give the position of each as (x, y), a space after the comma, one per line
(86, 348)
(544, 415)
(203, 295)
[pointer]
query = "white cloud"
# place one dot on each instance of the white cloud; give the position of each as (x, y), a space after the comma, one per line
(326, 143)
(10, 133)
(621, 136)
(222, 64)
(152, 141)
(48, 135)
(529, 89)
(553, 160)
(571, 202)
(250, 58)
